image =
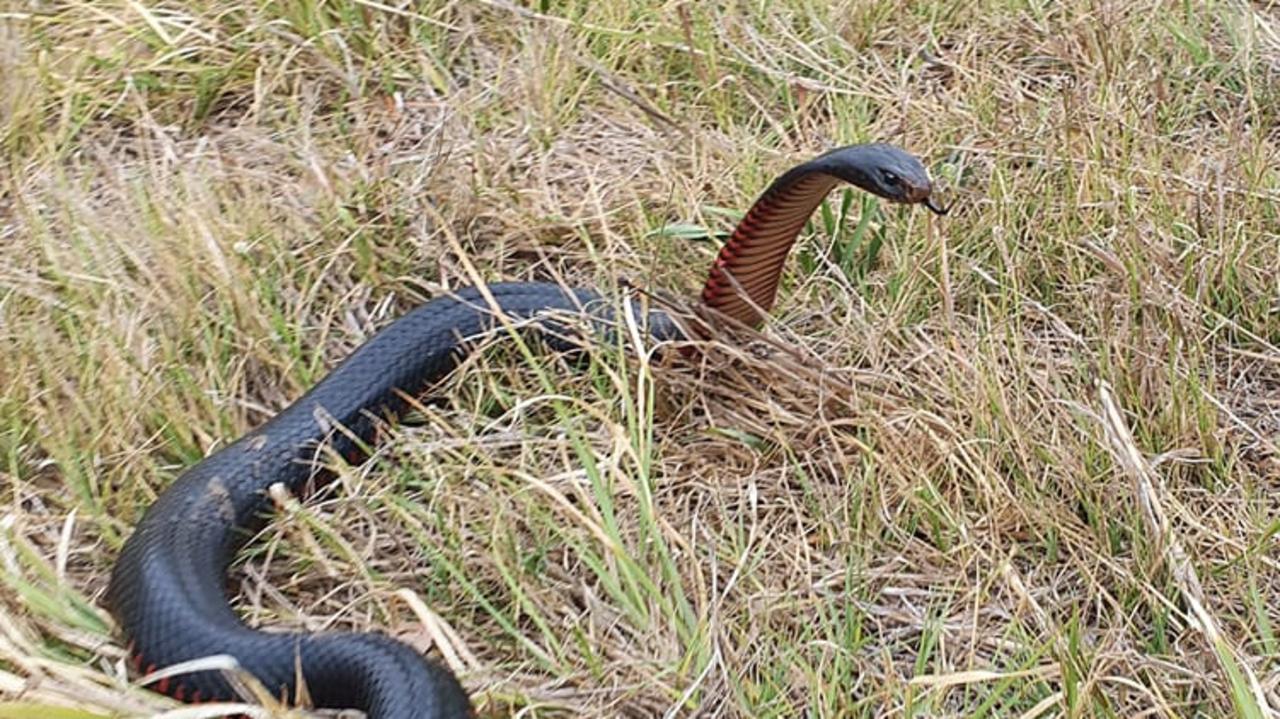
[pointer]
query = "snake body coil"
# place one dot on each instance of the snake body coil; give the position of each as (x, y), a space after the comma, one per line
(168, 587)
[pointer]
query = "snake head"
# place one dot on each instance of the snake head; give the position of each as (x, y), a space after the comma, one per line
(885, 171)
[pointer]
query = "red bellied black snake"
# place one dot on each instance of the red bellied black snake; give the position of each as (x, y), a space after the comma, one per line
(168, 587)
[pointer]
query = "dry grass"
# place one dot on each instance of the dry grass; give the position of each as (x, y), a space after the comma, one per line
(1020, 462)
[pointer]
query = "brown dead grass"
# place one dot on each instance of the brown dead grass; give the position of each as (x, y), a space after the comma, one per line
(1037, 479)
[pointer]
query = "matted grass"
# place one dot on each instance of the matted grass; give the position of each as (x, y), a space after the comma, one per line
(1022, 461)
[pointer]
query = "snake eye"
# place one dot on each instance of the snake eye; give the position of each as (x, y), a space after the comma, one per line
(889, 178)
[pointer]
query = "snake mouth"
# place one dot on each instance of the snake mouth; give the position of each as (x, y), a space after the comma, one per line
(923, 194)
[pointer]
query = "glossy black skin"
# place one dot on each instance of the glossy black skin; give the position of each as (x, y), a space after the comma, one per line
(168, 591)
(878, 168)
(168, 587)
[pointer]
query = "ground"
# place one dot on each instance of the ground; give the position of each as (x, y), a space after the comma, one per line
(1018, 461)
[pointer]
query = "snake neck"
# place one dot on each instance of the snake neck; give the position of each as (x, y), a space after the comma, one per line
(743, 281)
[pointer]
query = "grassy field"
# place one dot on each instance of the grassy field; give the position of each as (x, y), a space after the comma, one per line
(1022, 461)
